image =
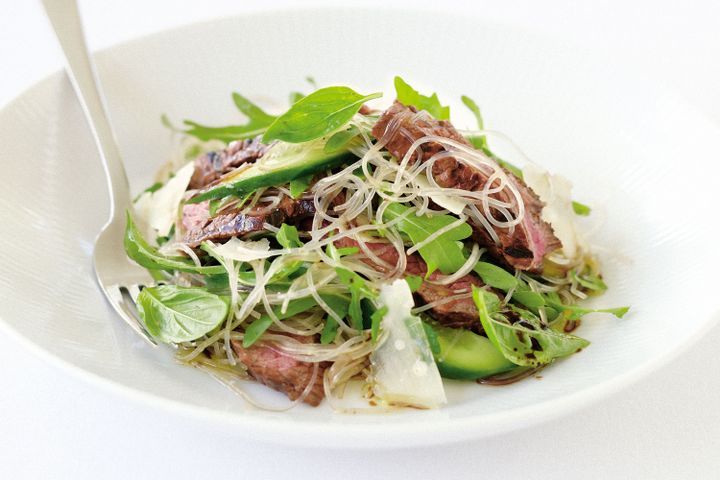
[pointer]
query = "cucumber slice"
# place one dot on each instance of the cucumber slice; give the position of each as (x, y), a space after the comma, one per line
(465, 355)
(282, 163)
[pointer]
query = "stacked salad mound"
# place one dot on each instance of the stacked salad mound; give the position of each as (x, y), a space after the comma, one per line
(342, 252)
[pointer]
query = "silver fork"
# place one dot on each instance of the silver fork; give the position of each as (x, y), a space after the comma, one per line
(120, 280)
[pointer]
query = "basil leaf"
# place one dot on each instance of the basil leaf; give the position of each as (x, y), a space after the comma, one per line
(337, 253)
(590, 281)
(288, 237)
(444, 252)
(162, 240)
(345, 251)
(407, 95)
(296, 97)
(526, 342)
(495, 276)
(149, 257)
(359, 290)
(481, 140)
(257, 123)
(573, 312)
(340, 140)
(298, 186)
(414, 282)
(255, 330)
(173, 314)
(217, 284)
(329, 331)
(432, 337)
(375, 319)
(529, 298)
(580, 209)
(318, 114)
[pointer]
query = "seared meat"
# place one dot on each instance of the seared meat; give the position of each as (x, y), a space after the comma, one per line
(212, 165)
(459, 313)
(523, 247)
(236, 224)
(269, 366)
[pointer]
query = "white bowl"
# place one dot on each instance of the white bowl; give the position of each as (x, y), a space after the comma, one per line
(638, 155)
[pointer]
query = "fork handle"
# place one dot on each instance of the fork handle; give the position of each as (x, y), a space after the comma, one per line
(65, 19)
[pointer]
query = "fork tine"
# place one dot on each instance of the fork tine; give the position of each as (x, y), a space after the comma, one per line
(134, 291)
(124, 304)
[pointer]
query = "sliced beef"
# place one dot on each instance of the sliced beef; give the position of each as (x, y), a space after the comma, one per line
(212, 165)
(235, 223)
(523, 247)
(268, 365)
(460, 313)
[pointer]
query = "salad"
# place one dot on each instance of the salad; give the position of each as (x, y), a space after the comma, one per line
(359, 254)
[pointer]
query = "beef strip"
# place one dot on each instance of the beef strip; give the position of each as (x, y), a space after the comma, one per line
(212, 165)
(269, 366)
(234, 223)
(523, 247)
(460, 313)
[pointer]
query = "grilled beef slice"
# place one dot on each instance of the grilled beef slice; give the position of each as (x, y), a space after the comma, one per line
(212, 165)
(460, 313)
(269, 366)
(523, 247)
(234, 223)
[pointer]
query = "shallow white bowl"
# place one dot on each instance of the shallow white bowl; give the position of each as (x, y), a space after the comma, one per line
(643, 159)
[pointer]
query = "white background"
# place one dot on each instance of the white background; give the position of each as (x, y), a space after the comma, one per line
(667, 426)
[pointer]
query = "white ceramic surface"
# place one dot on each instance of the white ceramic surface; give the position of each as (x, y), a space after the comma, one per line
(633, 151)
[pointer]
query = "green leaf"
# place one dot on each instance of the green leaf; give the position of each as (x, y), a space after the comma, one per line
(257, 123)
(444, 252)
(337, 253)
(217, 284)
(329, 331)
(296, 97)
(255, 330)
(573, 312)
(165, 120)
(318, 114)
(166, 238)
(359, 290)
(298, 186)
(432, 337)
(149, 257)
(526, 342)
(414, 282)
(580, 209)
(495, 276)
(481, 141)
(375, 319)
(173, 314)
(499, 278)
(288, 237)
(407, 95)
(529, 298)
(590, 281)
(340, 140)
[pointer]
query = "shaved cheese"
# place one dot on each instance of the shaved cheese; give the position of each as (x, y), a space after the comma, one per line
(455, 205)
(246, 251)
(404, 372)
(556, 192)
(159, 209)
